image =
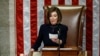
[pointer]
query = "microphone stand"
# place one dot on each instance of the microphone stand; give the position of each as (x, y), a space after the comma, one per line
(59, 43)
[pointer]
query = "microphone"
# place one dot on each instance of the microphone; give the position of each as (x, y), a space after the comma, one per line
(59, 42)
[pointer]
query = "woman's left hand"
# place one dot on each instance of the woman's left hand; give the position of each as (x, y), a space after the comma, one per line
(56, 40)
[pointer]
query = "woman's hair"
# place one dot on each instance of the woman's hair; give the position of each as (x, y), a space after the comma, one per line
(54, 9)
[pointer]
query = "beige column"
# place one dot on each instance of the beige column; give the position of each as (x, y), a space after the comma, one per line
(12, 27)
(4, 28)
(7, 28)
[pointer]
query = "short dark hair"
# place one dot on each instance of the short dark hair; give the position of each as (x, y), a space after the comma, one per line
(52, 9)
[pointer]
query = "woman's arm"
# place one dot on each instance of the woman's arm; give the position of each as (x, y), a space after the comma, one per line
(63, 35)
(39, 40)
(31, 52)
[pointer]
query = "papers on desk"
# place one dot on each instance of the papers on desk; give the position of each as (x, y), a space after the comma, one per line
(56, 48)
(53, 36)
(65, 48)
(37, 53)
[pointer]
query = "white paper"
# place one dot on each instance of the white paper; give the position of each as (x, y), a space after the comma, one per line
(37, 54)
(53, 35)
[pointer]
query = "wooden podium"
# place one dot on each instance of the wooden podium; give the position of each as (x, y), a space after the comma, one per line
(62, 52)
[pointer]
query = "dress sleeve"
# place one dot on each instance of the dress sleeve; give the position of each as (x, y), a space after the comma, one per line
(39, 40)
(63, 36)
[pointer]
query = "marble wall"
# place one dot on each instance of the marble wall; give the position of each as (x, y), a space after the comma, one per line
(7, 26)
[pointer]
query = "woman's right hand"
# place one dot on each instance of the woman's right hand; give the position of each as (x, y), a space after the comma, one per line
(31, 52)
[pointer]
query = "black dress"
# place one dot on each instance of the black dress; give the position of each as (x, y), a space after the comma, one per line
(45, 29)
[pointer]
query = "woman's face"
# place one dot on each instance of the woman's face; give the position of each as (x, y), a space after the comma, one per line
(53, 18)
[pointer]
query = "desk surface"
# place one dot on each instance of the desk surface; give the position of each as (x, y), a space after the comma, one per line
(55, 48)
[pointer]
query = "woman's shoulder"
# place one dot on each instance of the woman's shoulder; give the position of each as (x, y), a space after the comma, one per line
(44, 25)
(63, 26)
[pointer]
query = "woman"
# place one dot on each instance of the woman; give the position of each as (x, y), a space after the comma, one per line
(52, 33)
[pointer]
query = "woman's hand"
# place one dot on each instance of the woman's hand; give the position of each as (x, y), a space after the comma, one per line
(31, 52)
(56, 40)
